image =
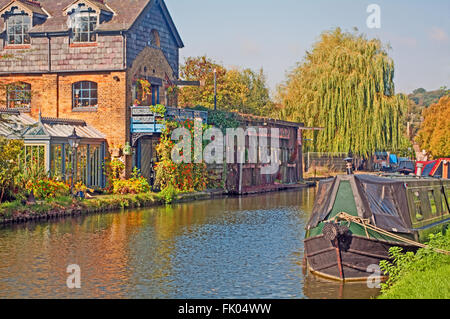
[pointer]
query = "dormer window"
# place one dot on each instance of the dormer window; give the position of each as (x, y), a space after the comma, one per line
(20, 16)
(84, 17)
(17, 27)
(83, 28)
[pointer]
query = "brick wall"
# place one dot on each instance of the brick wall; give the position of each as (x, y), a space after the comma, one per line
(52, 93)
(151, 62)
(110, 118)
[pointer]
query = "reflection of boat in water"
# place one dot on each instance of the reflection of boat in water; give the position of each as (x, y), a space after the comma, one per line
(356, 219)
(315, 287)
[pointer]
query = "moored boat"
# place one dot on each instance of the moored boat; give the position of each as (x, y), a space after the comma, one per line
(356, 219)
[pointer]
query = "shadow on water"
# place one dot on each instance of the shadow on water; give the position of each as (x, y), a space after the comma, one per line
(250, 247)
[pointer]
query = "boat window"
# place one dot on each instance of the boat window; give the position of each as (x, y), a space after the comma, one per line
(418, 206)
(432, 202)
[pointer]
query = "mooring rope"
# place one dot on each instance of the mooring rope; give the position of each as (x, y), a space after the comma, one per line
(366, 224)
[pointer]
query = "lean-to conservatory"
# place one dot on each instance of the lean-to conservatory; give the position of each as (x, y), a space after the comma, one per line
(47, 145)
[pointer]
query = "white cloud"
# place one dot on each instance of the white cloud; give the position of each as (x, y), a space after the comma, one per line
(250, 47)
(438, 34)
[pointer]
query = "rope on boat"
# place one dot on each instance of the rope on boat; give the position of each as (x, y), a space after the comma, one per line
(366, 224)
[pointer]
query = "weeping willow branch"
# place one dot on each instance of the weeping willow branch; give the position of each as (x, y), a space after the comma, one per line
(346, 85)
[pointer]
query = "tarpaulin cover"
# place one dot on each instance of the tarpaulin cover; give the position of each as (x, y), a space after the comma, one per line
(428, 168)
(382, 200)
(393, 159)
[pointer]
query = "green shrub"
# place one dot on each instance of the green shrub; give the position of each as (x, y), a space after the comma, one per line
(137, 184)
(429, 284)
(421, 266)
(10, 151)
(168, 194)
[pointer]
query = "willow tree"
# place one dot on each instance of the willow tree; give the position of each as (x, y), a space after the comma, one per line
(345, 85)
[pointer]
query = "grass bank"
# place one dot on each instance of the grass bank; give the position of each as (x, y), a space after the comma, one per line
(424, 275)
(17, 212)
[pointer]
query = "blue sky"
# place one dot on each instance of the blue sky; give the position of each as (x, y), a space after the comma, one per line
(274, 34)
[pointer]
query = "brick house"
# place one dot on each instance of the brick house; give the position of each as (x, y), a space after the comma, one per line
(80, 59)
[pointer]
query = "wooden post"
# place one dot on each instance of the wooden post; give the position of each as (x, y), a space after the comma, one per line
(338, 256)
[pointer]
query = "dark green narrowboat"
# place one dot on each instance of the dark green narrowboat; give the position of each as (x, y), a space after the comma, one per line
(356, 219)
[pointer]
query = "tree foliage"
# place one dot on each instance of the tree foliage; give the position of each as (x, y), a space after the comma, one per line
(237, 90)
(345, 85)
(423, 98)
(10, 150)
(434, 134)
(189, 176)
(419, 100)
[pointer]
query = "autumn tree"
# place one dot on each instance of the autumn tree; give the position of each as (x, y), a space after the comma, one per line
(237, 90)
(346, 86)
(434, 134)
(419, 100)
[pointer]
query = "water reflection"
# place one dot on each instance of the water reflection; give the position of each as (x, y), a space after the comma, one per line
(249, 247)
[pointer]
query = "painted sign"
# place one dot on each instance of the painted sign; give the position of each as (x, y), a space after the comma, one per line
(143, 120)
(138, 111)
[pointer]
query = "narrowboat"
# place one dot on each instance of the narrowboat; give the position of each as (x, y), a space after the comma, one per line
(438, 168)
(356, 219)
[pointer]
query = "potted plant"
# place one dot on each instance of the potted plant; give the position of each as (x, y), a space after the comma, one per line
(127, 149)
(159, 110)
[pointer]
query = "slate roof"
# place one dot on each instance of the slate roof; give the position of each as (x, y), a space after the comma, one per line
(52, 128)
(126, 12)
(14, 122)
(32, 6)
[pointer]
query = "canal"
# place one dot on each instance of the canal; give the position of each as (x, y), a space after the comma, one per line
(250, 247)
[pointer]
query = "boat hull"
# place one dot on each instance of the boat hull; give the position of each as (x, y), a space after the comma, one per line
(349, 258)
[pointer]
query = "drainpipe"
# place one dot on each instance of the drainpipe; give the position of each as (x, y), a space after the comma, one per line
(49, 50)
(49, 60)
(124, 49)
(57, 95)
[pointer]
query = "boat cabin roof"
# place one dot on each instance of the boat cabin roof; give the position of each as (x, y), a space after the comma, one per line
(382, 200)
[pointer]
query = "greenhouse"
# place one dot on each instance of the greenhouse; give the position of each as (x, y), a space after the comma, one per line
(47, 145)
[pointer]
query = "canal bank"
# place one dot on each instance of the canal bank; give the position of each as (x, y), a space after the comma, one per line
(65, 207)
(420, 275)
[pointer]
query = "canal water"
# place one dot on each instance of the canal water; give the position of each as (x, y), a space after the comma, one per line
(250, 247)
